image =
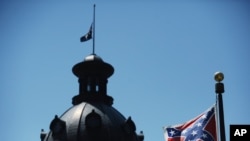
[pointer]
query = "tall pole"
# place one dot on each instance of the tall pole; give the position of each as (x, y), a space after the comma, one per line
(94, 30)
(219, 89)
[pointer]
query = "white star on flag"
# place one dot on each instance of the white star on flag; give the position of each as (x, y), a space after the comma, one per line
(194, 132)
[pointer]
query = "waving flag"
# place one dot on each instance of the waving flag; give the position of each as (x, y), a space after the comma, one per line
(87, 36)
(201, 128)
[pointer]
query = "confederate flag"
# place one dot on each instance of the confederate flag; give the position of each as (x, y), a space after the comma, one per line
(201, 128)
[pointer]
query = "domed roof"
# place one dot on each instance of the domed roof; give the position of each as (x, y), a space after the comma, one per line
(93, 57)
(92, 122)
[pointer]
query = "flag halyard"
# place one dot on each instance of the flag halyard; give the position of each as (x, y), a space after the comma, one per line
(201, 128)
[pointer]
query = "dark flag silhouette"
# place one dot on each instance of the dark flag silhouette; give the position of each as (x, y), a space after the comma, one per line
(201, 128)
(87, 36)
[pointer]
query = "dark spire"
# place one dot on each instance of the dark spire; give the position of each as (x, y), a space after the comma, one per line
(93, 74)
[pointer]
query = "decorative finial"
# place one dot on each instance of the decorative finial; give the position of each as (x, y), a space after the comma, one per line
(218, 76)
(219, 86)
(42, 135)
(141, 136)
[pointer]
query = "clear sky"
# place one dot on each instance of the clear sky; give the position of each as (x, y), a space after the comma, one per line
(165, 54)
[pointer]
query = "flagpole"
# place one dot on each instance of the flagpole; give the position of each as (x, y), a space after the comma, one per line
(219, 89)
(94, 30)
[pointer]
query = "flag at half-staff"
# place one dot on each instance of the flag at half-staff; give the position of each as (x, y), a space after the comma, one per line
(91, 33)
(87, 36)
(201, 128)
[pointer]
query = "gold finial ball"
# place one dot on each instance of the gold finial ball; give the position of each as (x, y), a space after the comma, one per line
(218, 76)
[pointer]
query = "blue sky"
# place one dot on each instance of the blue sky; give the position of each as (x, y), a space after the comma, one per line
(164, 54)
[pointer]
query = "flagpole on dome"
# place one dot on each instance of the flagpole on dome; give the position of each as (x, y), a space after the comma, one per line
(219, 89)
(93, 52)
(91, 33)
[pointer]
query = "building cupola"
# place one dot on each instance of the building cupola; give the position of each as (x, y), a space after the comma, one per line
(93, 74)
(92, 117)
